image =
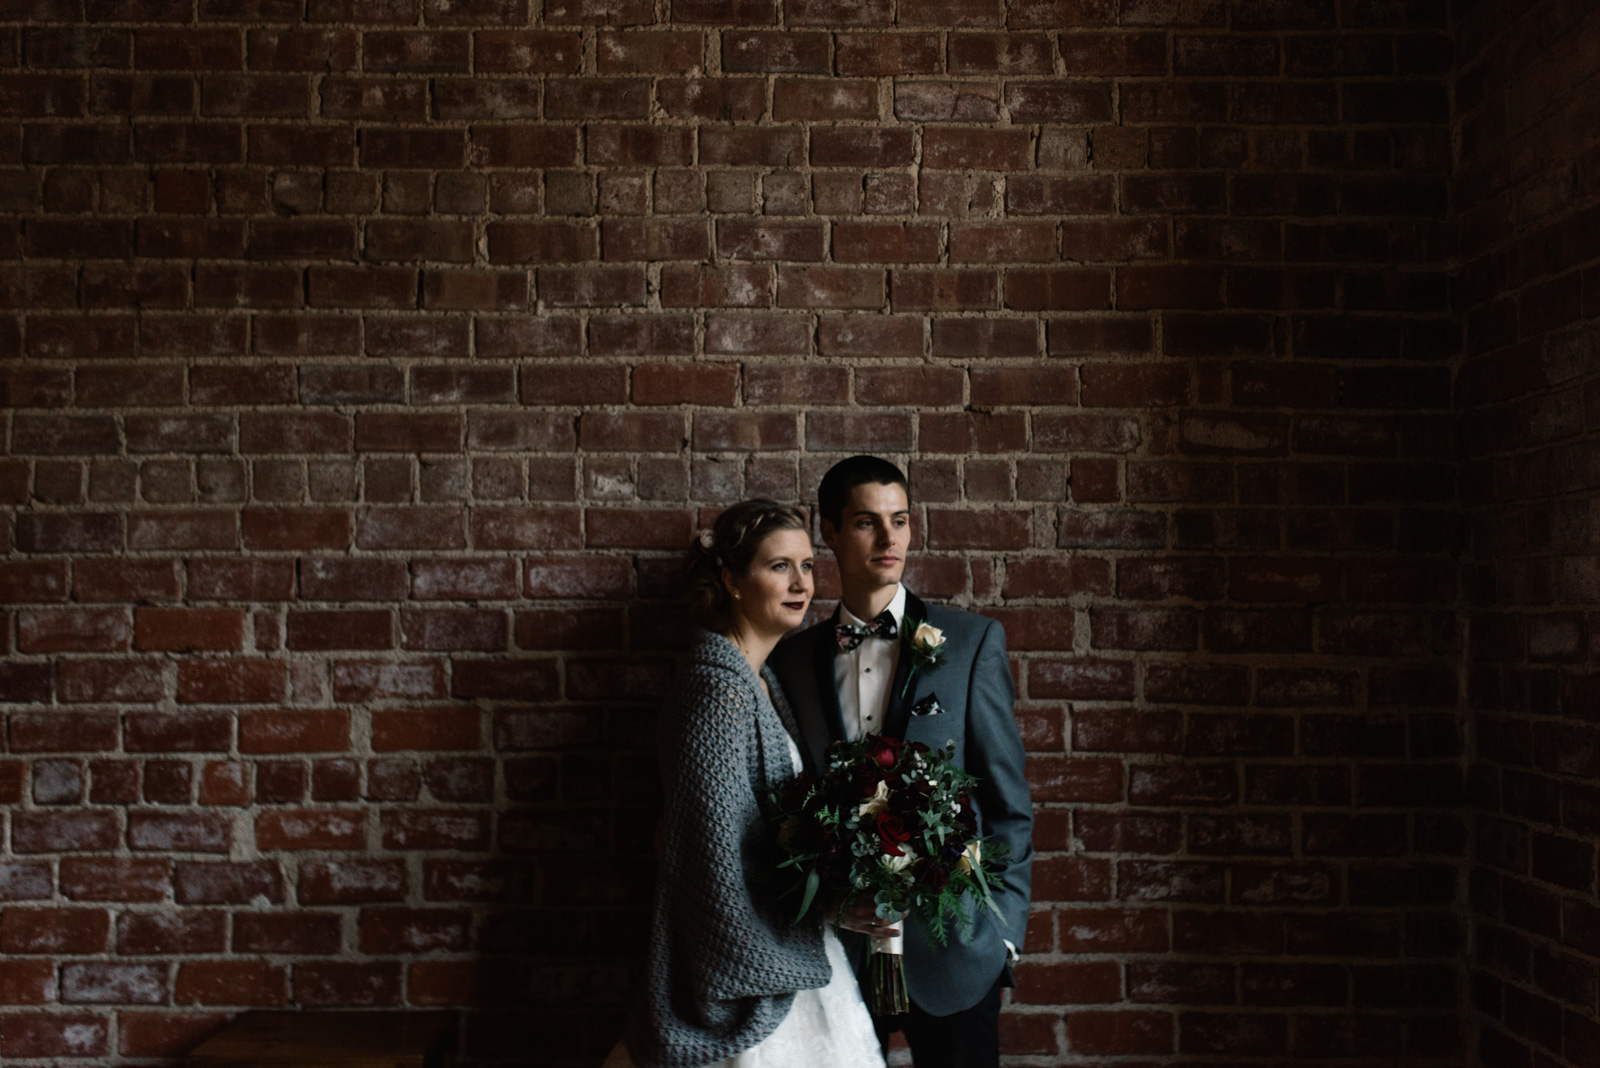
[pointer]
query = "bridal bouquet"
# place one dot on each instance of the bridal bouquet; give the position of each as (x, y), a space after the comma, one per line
(891, 823)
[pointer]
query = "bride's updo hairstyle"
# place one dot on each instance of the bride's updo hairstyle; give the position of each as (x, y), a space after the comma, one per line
(732, 543)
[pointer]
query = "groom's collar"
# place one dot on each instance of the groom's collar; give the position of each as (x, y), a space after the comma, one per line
(897, 608)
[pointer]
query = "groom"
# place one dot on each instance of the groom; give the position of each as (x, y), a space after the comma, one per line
(845, 677)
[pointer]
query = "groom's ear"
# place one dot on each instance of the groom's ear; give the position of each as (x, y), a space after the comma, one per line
(828, 531)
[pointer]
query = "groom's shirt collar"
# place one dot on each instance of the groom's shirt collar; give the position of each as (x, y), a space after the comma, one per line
(897, 609)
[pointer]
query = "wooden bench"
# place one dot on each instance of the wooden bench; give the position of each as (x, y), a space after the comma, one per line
(313, 1039)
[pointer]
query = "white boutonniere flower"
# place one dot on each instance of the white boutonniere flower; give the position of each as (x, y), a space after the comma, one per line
(926, 644)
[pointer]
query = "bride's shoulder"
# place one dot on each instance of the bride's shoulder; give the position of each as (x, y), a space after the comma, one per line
(713, 668)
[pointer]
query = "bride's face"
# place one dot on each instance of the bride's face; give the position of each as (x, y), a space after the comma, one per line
(772, 597)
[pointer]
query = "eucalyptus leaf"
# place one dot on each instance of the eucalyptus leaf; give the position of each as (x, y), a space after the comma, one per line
(813, 881)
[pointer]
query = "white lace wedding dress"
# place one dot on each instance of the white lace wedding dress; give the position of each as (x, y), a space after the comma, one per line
(828, 1027)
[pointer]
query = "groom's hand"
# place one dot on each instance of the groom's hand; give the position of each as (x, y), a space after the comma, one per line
(862, 918)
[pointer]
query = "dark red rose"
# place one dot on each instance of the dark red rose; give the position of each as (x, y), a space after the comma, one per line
(865, 780)
(932, 873)
(892, 832)
(905, 803)
(885, 753)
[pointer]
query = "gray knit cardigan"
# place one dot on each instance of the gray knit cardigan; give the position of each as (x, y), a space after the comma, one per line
(725, 959)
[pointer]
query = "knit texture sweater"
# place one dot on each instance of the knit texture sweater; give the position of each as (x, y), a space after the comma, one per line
(725, 959)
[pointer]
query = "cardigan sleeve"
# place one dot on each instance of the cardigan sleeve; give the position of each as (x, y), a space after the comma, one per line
(715, 839)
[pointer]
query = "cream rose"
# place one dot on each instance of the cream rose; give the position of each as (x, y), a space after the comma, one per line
(928, 637)
(878, 802)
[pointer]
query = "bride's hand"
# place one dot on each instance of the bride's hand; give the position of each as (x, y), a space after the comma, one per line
(863, 919)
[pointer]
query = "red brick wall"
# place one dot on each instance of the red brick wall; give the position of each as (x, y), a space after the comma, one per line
(365, 364)
(1528, 189)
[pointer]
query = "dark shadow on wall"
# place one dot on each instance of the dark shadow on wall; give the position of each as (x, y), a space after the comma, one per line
(566, 886)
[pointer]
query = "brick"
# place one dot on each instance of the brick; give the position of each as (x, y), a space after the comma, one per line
(996, 150)
(524, 528)
(654, 239)
(54, 930)
(169, 832)
(301, 49)
(73, 630)
(725, 99)
(754, 51)
(966, 289)
(453, 629)
(641, 336)
(527, 52)
(185, 732)
(33, 582)
(946, 102)
(885, 242)
(578, 578)
(28, 983)
(346, 629)
(351, 881)
(922, 387)
(858, 146)
(870, 335)
(302, 829)
(342, 984)
(876, 55)
(541, 242)
(293, 731)
(188, 629)
(739, 239)
(55, 1034)
(1198, 684)
(703, 384)
(62, 533)
(230, 983)
(114, 879)
(220, 680)
(224, 883)
(830, 287)
(302, 933)
(435, 829)
(402, 930)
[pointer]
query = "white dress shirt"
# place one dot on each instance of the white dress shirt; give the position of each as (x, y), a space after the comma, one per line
(865, 675)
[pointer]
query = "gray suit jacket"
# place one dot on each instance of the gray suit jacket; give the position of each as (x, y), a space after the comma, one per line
(973, 686)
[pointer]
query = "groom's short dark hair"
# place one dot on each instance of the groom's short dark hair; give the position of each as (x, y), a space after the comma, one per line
(846, 475)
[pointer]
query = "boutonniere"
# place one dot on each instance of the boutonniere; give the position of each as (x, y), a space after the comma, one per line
(926, 645)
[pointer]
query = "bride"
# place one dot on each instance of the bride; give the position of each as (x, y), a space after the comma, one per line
(732, 981)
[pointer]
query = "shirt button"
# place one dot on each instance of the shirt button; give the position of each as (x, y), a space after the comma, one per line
(867, 670)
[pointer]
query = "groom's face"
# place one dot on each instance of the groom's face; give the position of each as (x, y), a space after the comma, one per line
(873, 535)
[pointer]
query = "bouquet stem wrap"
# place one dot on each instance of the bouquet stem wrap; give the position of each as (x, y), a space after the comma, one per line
(889, 996)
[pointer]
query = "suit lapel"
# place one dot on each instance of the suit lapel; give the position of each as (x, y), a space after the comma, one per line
(899, 711)
(827, 689)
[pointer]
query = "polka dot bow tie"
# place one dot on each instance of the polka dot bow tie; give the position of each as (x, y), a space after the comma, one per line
(850, 635)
